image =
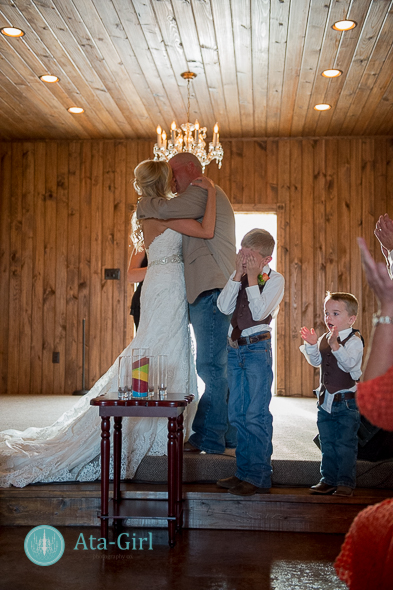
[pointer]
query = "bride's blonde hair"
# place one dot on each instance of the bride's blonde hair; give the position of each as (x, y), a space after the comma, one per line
(151, 179)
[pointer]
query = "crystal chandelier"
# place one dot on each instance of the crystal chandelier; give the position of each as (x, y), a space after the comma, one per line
(188, 138)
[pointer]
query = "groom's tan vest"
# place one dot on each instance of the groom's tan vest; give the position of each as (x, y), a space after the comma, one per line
(207, 263)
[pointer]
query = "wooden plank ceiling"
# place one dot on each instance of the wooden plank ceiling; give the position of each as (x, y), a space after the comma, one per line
(258, 66)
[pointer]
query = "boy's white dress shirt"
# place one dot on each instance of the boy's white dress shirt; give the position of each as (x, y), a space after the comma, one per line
(349, 359)
(261, 304)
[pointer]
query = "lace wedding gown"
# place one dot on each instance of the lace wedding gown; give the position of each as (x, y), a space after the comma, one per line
(69, 449)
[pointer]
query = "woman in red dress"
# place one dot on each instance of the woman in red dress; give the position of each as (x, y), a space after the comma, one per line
(366, 558)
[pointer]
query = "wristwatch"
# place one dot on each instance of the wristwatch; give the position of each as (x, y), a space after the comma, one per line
(381, 319)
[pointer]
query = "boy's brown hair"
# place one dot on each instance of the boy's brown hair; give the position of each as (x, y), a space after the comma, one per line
(259, 240)
(351, 303)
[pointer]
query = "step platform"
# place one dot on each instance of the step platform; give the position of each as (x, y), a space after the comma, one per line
(290, 506)
(288, 473)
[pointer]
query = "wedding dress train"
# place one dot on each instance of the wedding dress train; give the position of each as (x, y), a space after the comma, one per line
(69, 449)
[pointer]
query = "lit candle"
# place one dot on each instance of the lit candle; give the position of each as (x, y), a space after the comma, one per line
(215, 135)
(173, 129)
(164, 139)
(159, 136)
(196, 131)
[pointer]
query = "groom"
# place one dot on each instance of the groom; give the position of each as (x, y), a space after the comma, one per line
(207, 267)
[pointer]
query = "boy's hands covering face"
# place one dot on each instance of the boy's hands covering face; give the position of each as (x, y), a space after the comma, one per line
(251, 262)
(254, 267)
(239, 266)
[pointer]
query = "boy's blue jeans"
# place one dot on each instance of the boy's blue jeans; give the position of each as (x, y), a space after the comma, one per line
(250, 379)
(339, 443)
(212, 431)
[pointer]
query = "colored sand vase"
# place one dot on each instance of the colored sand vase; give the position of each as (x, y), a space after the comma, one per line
(124, 376)
(140, 372)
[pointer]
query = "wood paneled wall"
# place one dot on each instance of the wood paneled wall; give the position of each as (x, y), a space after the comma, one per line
(65, 216)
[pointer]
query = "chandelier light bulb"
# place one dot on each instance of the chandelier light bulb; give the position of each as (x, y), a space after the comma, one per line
(215, 135)
(173, 132)
(158, 131)
(196, 131)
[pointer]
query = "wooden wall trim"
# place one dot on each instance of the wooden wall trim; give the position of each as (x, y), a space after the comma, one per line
(255, 208)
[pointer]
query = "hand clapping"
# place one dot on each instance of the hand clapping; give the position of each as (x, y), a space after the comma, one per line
(332, 338)
(377, 278)
(309, 336)
(384, 233)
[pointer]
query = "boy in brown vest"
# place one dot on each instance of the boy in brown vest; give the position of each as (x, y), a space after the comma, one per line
(252, 294)
(339, 354)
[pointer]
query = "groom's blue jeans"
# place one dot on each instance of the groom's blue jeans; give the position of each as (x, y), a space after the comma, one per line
(212, 431)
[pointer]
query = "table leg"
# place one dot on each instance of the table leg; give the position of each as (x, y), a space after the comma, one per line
(172, 477)
(179, 469)
(117, 457)
(105, 453)
(117, 470)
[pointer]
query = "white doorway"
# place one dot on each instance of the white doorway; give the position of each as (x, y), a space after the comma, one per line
(268, 221)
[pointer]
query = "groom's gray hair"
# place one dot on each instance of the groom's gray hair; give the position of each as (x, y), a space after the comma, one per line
(185, 158)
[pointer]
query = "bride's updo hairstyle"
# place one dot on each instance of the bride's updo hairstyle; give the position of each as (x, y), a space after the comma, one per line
(153, 179)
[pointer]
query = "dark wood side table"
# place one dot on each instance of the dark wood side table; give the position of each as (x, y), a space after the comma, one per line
(172, 407)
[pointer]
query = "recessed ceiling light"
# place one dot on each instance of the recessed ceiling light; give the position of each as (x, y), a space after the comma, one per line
(322, 107)
(331, 73)
(344, 25)
(12, 32)
(49, 78)
(76, 110)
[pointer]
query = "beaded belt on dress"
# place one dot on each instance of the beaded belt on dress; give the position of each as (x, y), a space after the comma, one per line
(167, 260)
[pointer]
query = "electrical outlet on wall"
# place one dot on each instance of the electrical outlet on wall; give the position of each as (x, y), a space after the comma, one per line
(112, 274)
(55, 357)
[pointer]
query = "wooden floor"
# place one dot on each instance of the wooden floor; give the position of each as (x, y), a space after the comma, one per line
(205, 507)
(201, 560)
(286, 540)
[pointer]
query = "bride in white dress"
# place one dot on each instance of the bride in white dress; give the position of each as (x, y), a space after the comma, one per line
(69, 449)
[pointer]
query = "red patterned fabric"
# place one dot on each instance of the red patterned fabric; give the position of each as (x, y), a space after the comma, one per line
(366, 558)
(375, 400)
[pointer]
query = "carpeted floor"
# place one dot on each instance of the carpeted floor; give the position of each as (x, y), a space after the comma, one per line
(296, 459)
(294, 420)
